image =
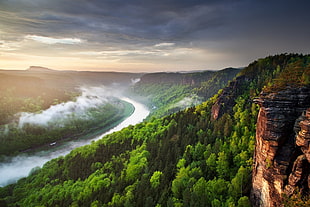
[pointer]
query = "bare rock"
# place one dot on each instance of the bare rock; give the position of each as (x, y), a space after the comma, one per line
(279, 164)
(226, 100)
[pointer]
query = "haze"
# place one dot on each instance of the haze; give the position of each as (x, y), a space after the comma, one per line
(14, 168)
(91, 97)
(148, 35)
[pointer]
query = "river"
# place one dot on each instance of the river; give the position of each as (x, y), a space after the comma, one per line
(20, 166)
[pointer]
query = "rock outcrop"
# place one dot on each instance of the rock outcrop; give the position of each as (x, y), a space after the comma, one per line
(281, 158)
(227, 99)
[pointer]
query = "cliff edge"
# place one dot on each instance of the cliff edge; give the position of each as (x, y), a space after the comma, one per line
(282, 155)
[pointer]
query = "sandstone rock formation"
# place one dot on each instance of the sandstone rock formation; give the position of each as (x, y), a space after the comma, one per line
(300, 175)
(226, 99)
(281, 161)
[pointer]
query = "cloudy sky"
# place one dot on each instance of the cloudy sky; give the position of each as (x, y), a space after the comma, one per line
(149, 35)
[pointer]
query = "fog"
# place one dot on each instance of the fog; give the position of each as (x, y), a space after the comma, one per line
(188, 101)
(90, 97)
(20, 166)
(134, 81)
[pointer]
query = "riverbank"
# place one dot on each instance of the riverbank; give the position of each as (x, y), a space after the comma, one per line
(86, 135)
(20, 166)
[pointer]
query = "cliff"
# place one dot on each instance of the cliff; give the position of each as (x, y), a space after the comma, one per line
(281, 159)
(167, 93)
(193, 157)
(227, 99)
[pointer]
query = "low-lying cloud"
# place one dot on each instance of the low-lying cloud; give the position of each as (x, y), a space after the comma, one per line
(14, 168)
(188, 101)
(91, 97)
(19, 167)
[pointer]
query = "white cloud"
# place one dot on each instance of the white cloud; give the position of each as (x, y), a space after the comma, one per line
(117, 53)
(8, 46)
(90, 53)
(165, 44)
(51, 40)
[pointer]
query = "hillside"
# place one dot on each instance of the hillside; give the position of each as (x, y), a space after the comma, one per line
(43, 91)
(201, 156)
(167, 93)
(37, 69)
(39, 88)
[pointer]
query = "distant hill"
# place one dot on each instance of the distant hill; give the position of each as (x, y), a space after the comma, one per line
(44, 87)
(165, 92)
(69, 80)
(170, 92)
(192, 157)
(39, 69)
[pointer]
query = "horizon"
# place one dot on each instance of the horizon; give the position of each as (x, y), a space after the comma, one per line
(42, 68)
(147, 36)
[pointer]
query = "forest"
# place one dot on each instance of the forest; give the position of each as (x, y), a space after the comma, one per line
(20, 93)
(187, 158)
(15, 138)
(167, 93)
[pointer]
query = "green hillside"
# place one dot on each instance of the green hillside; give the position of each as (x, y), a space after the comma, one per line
(189, 158)
(167, 93)
(37, 89)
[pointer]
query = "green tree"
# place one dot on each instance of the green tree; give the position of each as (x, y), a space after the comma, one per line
(222, 166)
(244, 202)
(155, 179)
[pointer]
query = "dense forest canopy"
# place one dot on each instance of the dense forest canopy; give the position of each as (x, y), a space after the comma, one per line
(27, 94)
(168, 93)
(188, 158)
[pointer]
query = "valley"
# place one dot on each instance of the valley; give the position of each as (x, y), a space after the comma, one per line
(166, 103)
(95, 107)
(16, 167)
(233, 148)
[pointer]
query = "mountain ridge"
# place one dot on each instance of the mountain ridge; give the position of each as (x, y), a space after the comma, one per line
(39, 69)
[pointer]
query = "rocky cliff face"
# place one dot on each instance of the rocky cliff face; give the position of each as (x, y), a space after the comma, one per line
(281, 159)
(226, 100)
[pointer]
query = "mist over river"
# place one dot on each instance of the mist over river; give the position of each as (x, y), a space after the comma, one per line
(20, 166)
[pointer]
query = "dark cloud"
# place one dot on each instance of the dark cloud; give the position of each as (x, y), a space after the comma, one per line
(146, 19)
(240, 27)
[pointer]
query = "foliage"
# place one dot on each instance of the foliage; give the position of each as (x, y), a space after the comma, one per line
(168, 93)
(11, 102)
(184, 159)
(295, 74)
(155, 179)
(14, 138)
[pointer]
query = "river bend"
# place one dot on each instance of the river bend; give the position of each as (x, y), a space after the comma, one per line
(20, 166)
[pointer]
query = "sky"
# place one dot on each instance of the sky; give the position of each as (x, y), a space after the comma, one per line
(149, 35)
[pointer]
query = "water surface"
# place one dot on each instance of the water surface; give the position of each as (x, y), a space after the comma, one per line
(20, 166)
